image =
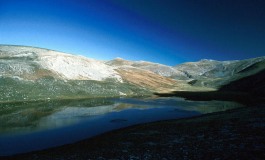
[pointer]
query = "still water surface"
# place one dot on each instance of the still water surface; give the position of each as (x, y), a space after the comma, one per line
(33, 126)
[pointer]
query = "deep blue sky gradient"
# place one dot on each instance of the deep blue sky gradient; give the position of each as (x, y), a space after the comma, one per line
(163, 31)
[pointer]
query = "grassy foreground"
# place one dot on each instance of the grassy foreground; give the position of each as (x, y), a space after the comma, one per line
(233, 134)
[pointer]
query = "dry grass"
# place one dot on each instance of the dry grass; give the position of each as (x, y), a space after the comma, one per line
(148, 79)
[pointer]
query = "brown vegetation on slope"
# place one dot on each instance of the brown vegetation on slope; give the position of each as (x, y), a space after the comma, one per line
(148, 79)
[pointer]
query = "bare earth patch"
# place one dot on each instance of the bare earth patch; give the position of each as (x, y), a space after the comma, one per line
(150, 80)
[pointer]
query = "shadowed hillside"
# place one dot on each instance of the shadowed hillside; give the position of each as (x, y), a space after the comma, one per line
(254, 84)
(248, 90)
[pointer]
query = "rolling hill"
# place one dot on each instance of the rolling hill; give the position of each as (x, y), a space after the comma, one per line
(30, 73)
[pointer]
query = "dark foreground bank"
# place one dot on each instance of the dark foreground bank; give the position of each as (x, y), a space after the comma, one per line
(234, 134)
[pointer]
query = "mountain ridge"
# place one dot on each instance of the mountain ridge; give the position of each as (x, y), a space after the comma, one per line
(29, 73)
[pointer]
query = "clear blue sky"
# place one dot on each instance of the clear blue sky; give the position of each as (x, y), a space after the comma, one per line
(163, 31)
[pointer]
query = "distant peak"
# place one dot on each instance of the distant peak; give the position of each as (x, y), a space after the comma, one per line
(206, 60)
(119, 58)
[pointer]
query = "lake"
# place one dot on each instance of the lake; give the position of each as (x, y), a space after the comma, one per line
(30, 126)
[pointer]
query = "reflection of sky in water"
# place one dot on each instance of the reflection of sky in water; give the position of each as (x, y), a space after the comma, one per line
(51, 124)
(70, 115)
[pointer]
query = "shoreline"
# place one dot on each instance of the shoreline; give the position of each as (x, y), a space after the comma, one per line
(232, 129)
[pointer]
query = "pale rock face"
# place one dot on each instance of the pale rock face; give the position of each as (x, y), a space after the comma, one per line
(26, 60)
(77, 67)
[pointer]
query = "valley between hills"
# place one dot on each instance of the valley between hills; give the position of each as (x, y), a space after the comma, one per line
(30, 74)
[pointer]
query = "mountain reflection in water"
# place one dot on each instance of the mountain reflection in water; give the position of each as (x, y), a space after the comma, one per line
(28, 126)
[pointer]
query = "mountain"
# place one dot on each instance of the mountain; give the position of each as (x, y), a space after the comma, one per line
(33, 63)
(204, 73)
(162, 70)
(30, 73)
(254, 84)
(215, 74)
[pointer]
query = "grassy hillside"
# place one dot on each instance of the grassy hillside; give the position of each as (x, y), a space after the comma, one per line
(49, 88)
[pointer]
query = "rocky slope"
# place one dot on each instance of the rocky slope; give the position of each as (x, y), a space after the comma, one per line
(204, 73)
(32, 63)
(211, 73)
(254, 84)
(28, 73)
(162, 70)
